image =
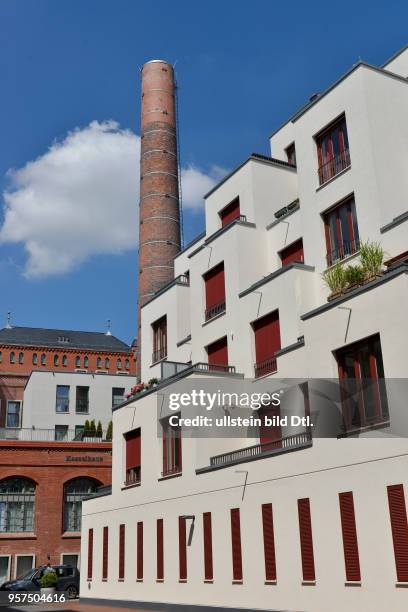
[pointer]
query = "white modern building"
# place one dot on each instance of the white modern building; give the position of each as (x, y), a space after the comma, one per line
(287, 521)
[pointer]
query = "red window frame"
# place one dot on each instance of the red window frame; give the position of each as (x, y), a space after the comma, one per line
(217, 353)
(306, 540)
(172, 448)
(90, 553)
(214, 281)
(292, 253)
(230, 212)
(362, 386)
(349, 533)
(267, 342)
(182, 548)
(208, 552)
(133, 444)
(159, 328)
(105, 553)
(237, 575)
(341, 231)
(291, 154)
(399, 528)
(121, 572)
(269, 543)
(332, 150)
(139, 551)
(160, 551)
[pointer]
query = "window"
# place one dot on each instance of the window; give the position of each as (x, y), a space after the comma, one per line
(62, 399)
(4, 568)
(139, 554)
(12, 357)
(333, 150)
(56, 360)
(214, 292)
(218, 354)
(306, 540)
(159, 551)
(82, 400)
(106, 364)
(291, 154)
(399, 528)
(270, 435)
(349, 532)
(74, 492)
(119, 364)
(236, 545)
(208, 553)
(269, 543)
(127, 364)
(24, 563)
(182, 527)
(230, 212)
(79, 430)
(77, 361)
(35, 358)
(90, 554)
(17, 499)
(43, 359)
(341, 230)
(267, 342)
(86, 362)
(133, 456)
(121, 552)
(13, 418)
(293, 252)
(64, 361)
(21, 358)
(99, 362)
(61, 432)
(105, 553)
(172, 455)
(362, 385)
(117, 395)
(70, 559)
(159, 339)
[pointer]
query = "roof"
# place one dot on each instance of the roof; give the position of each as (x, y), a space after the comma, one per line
(62, 338)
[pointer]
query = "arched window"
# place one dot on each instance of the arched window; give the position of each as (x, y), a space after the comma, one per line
(12, 357)
(77, 361)
(43, 359)
(64, 360)
(17, 498)
(56, 360)
(127, 364)
(21, 358)
(119, 364)
(99, 362)
(86, 362)
(106, 364)
(34, 358)
(74, 492)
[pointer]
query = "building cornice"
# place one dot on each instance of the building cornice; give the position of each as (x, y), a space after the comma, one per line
(266, 279)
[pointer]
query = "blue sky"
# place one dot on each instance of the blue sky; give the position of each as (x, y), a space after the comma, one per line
(242, 67)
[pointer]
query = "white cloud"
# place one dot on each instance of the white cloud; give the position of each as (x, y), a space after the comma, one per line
(80, 199)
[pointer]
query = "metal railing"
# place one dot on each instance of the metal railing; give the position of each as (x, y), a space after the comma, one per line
(334, 166)
(215, 310)
(133, 476)
(288, 443)
(348, 247)
(267, 366)
(25, 434)
(213, 367)
(159, 354)
(171, 470)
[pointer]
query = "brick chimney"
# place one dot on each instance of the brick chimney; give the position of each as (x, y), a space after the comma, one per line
(159, 229)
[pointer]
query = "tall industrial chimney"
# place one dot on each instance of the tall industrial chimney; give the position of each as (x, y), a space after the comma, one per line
(159, 229)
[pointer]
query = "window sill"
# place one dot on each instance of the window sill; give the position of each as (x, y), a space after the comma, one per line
(170, 476)
(208, 581)
(221, 314)
(330, 180)
(183, 581)
(121, 580)
(130, 486)
(344, 260)
(104, 580)
(237, 582)
(17, 535)
(160, 580)
(139, 579)
(401, 585)
(308, 582)
(353, 583)
(71, 534)
(267, 582)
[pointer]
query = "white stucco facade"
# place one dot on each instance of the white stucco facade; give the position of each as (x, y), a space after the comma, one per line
(313, 333)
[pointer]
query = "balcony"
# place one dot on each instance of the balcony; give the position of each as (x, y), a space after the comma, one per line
(159, 354)
(267, 366)
(47, 435)
(347, 248)
(250, 453)
(334, 166)
(214, 311)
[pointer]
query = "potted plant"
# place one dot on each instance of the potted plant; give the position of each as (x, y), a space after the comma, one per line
(99, 430)
(153, 382)
(335, 279)
(109, 432)
(355, 276)
(371, 257)
(92, 429)
(48, 583)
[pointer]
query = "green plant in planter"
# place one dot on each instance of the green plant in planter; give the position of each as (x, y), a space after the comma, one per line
(371, 257)
(92, 429)
(109, 431)
(48, 580)
(335, 278)
(87, 428)
(99, 430)
(354, 275)
(152, 382)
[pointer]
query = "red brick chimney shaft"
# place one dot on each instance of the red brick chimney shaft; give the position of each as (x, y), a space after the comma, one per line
(159, 229)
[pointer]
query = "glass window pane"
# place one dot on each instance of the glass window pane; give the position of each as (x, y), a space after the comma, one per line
(13, 414)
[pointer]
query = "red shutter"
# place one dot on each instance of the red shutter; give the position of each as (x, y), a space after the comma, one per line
(267, 336)
(230, 212)
(182, 548)
(121, 552)
(139, 568)
(105, 553)
(236, 545)
(208, 554)
(350, 543)
(133, 456)
(215, 286)
(294, 252)
(269, 542)
(306, 540)
(90, 553)
(399, 527)
(218, 352)
(269, 433)
(160, 550)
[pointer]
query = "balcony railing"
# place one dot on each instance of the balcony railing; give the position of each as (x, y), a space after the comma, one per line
(215, 310)
(47, 435)
(348, 247)
(334, 166)
(159, 354)
(267, 366)
(133, 476)
(171, 471)
(288, 443)
(213, 367)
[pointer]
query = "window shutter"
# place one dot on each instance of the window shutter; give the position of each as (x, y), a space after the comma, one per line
(182, 548)
(160, 550)
(90, 553)
(270, 433)
(230, 212)
(350, 543)
(215, 286)
(105, 553)
(139, 568)
(236, 545)
(208, 554)
(121, 552)
(267, 336)
(294, 252)
(218, 352)
(133, 449)
(269, 542)
(399, 527)
(306, 540)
